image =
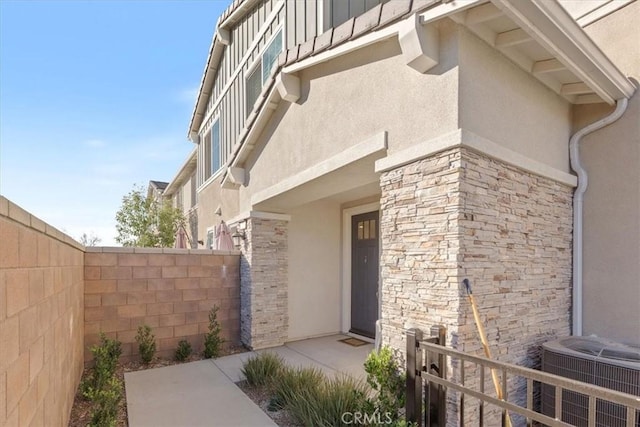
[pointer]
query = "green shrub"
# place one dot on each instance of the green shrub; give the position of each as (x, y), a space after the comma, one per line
(383, 375)
(146, 343)
(212, 339)
(105, 357)
(262, 369)
(183, 351)
(101, 386)
(104, 411)
(293, 381)
(326, 404)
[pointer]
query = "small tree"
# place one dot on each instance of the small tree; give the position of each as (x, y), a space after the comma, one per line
(146, 343)
(147, 222)
(90, 239)
(212, 339)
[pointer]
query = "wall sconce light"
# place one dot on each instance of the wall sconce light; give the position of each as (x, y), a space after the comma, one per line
(238, 237)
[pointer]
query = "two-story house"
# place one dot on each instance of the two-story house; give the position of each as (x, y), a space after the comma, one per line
(372, 155)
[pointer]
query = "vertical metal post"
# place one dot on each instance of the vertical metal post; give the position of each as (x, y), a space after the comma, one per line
(414, 379)
(461, 394)
(428, 392)
(480, 401)
(442, 366)
(505, 415)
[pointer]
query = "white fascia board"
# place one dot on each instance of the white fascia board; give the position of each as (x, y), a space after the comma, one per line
(552, 26)
(343, 49)
(239, 13)
(374, 144)
(187, 167)
(469, 140)
(207, 81)
(437, 12)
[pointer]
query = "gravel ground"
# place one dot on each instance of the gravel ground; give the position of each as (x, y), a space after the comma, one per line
(261, 398)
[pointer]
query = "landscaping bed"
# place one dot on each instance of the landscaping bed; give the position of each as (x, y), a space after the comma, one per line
(101, 396)
(295, 397)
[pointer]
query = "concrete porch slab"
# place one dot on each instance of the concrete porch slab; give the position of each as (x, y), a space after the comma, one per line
(326, 353)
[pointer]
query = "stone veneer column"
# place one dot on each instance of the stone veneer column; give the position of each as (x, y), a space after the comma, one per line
(460, 214)
(264, 318)
(420, 238)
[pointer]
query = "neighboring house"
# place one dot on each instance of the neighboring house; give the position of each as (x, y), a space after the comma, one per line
(183, 195)
(156, 189)
(375, 155)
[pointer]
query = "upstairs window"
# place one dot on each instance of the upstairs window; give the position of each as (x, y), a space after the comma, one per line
(270, 55)
(212, 154)
(207, 155)
(194, 191)
(215, 147)
(261, 71)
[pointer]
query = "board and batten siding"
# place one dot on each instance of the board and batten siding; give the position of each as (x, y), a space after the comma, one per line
(300, 20)
(226, 104)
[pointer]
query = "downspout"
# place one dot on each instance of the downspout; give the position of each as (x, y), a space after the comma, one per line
(578, 202)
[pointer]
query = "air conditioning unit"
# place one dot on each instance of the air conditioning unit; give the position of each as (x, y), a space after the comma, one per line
(595, 361)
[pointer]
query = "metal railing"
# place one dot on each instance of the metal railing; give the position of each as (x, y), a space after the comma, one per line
(422, 371)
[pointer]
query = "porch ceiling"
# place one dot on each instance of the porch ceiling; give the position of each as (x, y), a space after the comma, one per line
(354, 181)
(544, 40)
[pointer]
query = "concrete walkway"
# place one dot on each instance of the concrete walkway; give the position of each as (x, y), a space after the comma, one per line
(204, 394)
(191, 394)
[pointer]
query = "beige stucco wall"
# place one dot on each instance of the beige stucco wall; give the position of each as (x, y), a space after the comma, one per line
(501, 102)
(347, 100)
(212, 196)
(314, 270)
(611, 157)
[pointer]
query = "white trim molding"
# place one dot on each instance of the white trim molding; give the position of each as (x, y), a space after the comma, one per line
(345, 320)
(370, 146)
(259, 215)
(467, 139)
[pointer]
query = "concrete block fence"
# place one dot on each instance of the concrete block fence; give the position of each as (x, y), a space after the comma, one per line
(41, 325)
(56, 296)
(170, 290)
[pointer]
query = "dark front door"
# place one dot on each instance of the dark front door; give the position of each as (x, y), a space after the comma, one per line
(364, 273)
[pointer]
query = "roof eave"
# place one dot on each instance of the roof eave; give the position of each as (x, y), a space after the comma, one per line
(184, 172)
(561, 35)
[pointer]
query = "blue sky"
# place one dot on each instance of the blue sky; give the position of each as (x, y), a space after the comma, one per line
(96, 96)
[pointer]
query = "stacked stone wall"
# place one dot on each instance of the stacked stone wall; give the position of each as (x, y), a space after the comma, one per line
(264, 283)
(420, 238)
(460, 214)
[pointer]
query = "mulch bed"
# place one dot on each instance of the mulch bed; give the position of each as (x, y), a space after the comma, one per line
(81, 410)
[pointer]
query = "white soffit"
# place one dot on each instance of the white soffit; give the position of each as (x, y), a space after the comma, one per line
(543, 39)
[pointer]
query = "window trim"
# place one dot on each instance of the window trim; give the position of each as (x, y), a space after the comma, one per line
(213, 237)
